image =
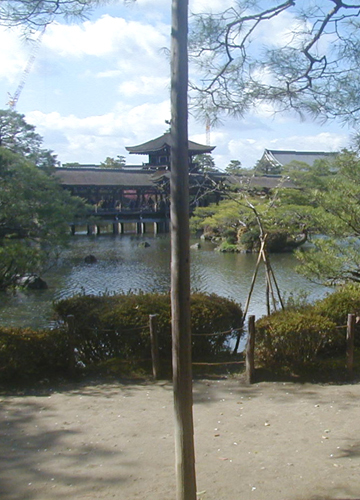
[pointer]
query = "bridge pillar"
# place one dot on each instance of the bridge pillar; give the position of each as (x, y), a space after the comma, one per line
(115, 227)
(90, 229)
(143, 227)
(72, 229)
(138, 227)
(121, 228)
(97, 229)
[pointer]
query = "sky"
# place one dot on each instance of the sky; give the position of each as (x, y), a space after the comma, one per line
(98, 85)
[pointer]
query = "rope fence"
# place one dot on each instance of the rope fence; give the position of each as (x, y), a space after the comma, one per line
(249, 350)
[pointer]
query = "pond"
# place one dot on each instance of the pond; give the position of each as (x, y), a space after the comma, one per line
(124, 265)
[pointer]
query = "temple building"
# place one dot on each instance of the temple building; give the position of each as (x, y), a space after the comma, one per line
(136, 193)
(158, 151)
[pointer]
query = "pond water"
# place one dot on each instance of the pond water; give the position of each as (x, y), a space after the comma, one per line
(123, 265)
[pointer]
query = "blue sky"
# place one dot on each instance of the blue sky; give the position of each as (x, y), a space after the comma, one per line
(102, 84)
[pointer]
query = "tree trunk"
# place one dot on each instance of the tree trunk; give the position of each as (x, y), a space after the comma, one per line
(180, 257)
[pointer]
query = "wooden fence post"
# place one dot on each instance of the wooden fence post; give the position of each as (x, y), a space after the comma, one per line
(71, 342)
(154, 346)
(350, 337)
(250, 352)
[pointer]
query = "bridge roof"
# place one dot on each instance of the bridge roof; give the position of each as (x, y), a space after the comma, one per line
(104, 177)
(160, 143)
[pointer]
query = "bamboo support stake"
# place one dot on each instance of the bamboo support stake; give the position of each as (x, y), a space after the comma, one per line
(154, 346)
(71, 343)
(250, 352)
(350, 337)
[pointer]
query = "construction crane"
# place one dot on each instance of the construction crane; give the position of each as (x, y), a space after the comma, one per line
(13, 99)
(208, 127)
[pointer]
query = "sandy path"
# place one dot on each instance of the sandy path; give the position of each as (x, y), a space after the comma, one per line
(114, 441)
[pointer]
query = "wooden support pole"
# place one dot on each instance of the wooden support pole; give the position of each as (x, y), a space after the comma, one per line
(180, 257)
(71, 343)
(250, 352)
(154, 346)
(350, 338)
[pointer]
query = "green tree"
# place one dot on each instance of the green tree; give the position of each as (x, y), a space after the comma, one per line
(205, 163)
(35, 14)
(34, 216)
(311, 66)
(335, 255)
(118, 162)
(20, 137)
(265, 167)
(234, 168)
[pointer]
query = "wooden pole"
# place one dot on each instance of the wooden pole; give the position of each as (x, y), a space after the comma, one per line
(350, 337)
(180, 257)
(154, 346)
(71, 343)
(250, 352)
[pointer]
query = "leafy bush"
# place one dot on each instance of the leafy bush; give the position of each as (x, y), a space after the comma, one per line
(337, 306)
(118, 326)
(292, 339)
(25, 353)
(295, 337)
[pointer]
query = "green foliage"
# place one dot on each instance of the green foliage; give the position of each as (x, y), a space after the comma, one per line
(337, 306)
(33, 15)
(34, 216)
(291, 340)
(234, 168)
(26, 354)
(227, 247)
(205, 163)
(118, 162)
(295, 338)
(117, 326)
(265, 167)
(237, 69)
(20, 137)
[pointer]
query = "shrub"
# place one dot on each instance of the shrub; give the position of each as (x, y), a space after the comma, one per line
(292, 339)
(25, 353)
(337, 306)
(117, 326)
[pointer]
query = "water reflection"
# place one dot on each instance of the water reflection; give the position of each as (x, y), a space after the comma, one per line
(124, 265)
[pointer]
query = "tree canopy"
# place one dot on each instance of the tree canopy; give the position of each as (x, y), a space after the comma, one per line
(35, 14)
(299, 55)
(34, 216)
(20, 137)
(118, 162)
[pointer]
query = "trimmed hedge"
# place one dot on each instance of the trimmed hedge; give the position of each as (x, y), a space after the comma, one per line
(292, 339)
(296, 338)
(27, 354)
(118, 326)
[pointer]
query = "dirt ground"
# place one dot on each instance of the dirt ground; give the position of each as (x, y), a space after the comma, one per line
(97, 440)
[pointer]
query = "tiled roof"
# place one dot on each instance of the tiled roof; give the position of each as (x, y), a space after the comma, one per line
(281, 158)
(104, 177)
(156, 145)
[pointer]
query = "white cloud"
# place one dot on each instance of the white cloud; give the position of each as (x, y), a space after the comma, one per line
(145, 85)
(93, 138)
(106, 36)
(207, 6)
(14, 55)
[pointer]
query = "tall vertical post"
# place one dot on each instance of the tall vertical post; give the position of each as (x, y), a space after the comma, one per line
(154, 346)
(350, 337)
(180, 257)
(250, 351)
